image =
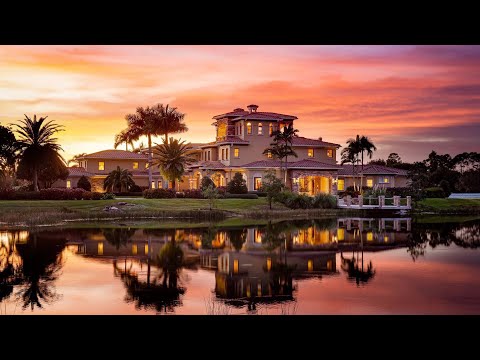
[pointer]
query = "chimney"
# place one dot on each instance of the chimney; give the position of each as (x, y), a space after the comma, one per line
(238, 110)
(252, 108)
(320, 138)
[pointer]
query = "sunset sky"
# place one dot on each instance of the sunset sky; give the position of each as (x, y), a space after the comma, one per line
(408, 99)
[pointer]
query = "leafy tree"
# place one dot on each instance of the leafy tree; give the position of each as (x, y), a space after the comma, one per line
(237, 238)
(212, 195)
(393, 160)
(8, 149)
(380, 162)
(281, 147)
(50, 168)
(206, 182)
(75, 160)
(272, 185)
(237, 185)
(172, 158)
(84, 184)
(469, 181)
(153, 121)
(119, 180)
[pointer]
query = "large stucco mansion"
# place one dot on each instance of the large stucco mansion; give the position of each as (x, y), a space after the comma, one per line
(241, 138)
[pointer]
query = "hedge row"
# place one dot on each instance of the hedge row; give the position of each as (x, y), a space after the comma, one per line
(299, 201)
(51, 194)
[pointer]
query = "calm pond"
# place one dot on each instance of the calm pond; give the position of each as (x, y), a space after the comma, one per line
(324, 266)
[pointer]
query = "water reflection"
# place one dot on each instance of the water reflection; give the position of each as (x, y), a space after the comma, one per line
(254, 268)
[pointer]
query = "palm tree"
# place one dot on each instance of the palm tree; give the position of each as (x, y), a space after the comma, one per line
(172, 158)
(75, 159)
(154, 121)
(119, 179)
(281, 147)
(350, 155)
(124, 136)
(35, 137)
(365, 146)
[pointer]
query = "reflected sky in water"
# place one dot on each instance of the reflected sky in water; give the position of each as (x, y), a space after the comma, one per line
(324, 266)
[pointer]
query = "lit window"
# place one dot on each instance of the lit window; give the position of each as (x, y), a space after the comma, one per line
(310, 265)
(269, 154)
(69, 184)
(101, 165)
(369, 236)
(259, 289)
(249, 128)
(330, 153)
(370, 182)
(100, 248)
(258, 237)
(270, 129)
(236, 152)
(386, 180)
(329, 265)
(269, 264)
(385, 238)
(235, 266)
(153, 184)
(134, 249)
(226, 154)
(249, 293)
(340, 234)
(159, 184)
(146, 249)
(257, 183)
(135, 165)
(310, 152)
(341, 185)
(260, 129)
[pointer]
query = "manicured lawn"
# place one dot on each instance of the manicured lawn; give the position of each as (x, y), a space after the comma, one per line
(453, 205)
(153, 204)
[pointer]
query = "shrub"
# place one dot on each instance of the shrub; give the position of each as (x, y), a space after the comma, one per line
(434, 192)
(50, 194)
(193, 194)
(84, 184)
(222, 191)
(108, 196)
(129, 193)
(206, 182)
(299, 202)
(324, 201)
(212, 195)
(159, 194)
(352, 193)
(237, 185)
(97, 195)
(259, 193)
(241, 196)
(445, 185)
(137, 189)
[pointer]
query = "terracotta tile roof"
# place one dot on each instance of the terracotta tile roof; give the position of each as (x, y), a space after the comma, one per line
(231, 114)
(232, 139)
(347, 170)
(260, 115)
(208, 165)
(312, 164)
(78, 171)
(263, 164)
(303, 141)
(115, 154)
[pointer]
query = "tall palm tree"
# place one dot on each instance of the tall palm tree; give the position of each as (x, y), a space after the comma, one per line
(366, 146)
(172, 158)
(119, 180)
(350, 156)
(281, 147)
(155, 121)
(75, 159)
(35, 137)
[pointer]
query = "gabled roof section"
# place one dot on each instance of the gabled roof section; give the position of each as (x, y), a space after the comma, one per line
(78, 171)
(312, 164)
(207, 165)
(347, 170)
(262, 164)
(303, 141)
(115, 155)
(228, 140)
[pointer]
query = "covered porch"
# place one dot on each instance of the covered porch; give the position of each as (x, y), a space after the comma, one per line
(313, 182)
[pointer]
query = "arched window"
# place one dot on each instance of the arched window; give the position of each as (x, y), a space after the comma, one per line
(249, 128)
(270, 129)
(260, 129)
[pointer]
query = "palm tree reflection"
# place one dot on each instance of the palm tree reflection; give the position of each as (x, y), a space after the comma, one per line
(162, 293)
(356, 269)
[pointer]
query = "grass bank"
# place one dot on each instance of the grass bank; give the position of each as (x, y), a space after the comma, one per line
(448, 206)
